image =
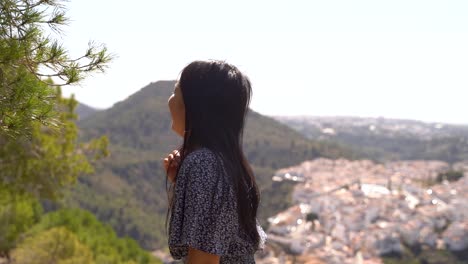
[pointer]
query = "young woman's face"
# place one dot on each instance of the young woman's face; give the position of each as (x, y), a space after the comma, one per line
(177, 109)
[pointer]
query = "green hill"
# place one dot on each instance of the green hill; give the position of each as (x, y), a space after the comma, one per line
(128, 188)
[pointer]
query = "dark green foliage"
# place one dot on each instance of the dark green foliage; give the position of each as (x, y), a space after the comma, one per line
(427, 257)
(449, 176)
(128, 189)
(311, 217)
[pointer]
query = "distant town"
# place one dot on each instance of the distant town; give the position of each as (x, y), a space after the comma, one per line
(357, 211)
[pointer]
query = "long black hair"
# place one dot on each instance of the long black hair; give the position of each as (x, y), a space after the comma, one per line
(217, 97)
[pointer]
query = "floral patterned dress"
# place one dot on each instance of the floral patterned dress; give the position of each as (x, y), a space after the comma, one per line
(204, 215)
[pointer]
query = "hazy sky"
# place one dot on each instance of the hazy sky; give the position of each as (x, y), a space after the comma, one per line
(400, 59)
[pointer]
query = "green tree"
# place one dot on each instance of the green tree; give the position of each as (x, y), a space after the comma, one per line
(99, 238)
(54, 246)
(41, 165)
(17, 215)
(28, 58)
(39, 153)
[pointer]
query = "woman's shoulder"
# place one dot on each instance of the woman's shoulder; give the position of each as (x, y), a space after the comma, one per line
(202, 158)
(201, 155)
(201, 164)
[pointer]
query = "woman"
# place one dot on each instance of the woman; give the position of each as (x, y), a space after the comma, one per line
(214, 200)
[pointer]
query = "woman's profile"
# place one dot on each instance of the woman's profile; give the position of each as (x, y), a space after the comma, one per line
(213, 199)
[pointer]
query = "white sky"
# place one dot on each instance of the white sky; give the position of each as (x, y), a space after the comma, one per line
(397, 59)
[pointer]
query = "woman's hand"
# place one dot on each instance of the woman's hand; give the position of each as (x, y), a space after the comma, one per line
(171, 163)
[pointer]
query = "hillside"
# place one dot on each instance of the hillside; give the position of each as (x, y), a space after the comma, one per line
(84, 110)
(387, 139)
(128, 188)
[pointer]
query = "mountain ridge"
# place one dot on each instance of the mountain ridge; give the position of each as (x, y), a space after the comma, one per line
(84, 110)
(386, 138)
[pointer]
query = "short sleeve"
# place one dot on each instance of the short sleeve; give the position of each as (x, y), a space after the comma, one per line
(203, 216)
